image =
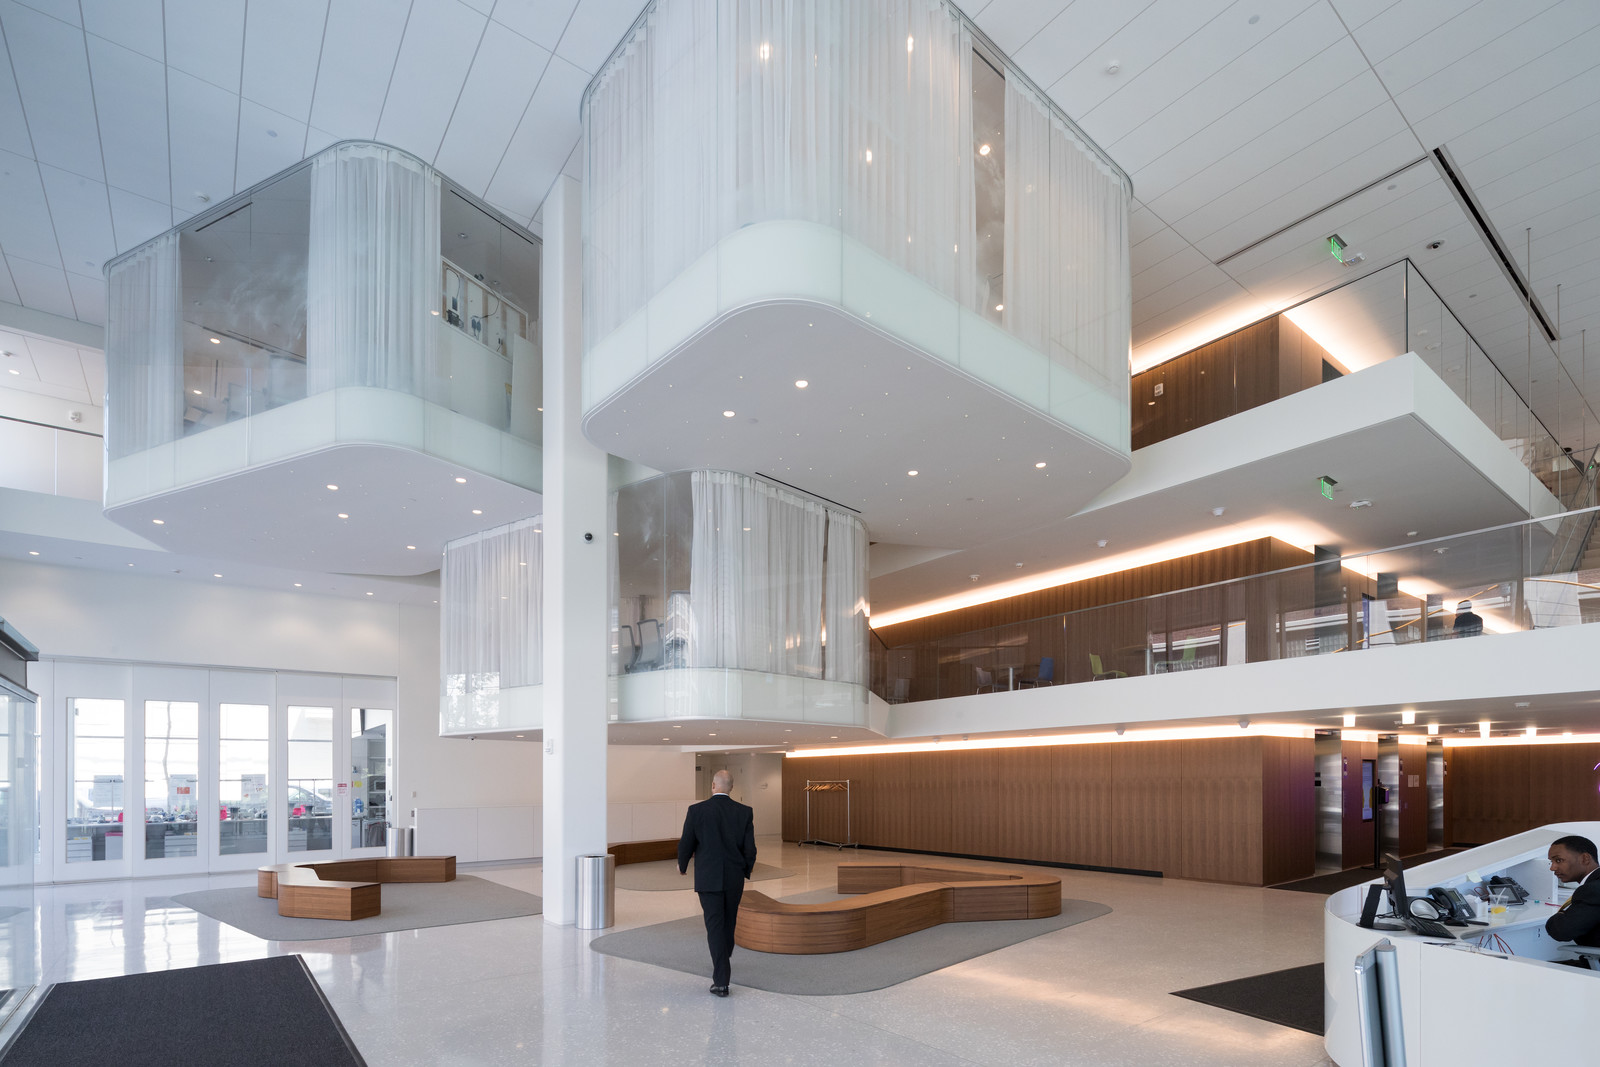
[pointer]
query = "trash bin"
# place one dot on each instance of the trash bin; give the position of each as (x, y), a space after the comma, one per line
(398, 842)
(597, 885)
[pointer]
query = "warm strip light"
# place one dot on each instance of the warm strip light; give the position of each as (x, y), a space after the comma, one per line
(1100, 738)
(1521, 739)
(1226, 537)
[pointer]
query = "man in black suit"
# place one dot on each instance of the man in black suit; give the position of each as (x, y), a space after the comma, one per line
(1572, 859)
(720, 835)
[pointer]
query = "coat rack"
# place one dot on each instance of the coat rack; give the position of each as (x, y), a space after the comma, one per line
(839, 785)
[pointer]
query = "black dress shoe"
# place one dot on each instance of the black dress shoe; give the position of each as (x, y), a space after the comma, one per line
(719, 990)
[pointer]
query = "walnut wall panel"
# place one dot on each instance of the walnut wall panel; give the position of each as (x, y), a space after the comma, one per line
(1357, 833)
(1413, 799)
(1495, 791)
(1214, 809)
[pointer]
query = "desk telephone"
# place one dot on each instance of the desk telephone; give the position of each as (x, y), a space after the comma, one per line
(1499, 886)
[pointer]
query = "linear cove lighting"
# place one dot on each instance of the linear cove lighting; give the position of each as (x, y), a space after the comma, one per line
(1051, 740)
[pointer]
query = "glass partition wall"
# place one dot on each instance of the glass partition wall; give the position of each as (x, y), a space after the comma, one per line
(239, 767)
(360, 267)
(1501, 580)
(737, 597)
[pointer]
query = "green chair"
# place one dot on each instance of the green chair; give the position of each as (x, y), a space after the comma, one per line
(1100, 671)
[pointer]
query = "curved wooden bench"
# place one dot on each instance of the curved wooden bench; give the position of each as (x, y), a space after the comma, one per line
(898, 899)
(345, 889)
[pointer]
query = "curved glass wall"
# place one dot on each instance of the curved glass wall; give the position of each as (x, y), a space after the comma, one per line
(491, 589)
(737, 598)
(360, 268)
(882, 158)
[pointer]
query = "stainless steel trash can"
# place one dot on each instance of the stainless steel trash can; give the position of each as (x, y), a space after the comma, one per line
(597, 890)
(397, 841)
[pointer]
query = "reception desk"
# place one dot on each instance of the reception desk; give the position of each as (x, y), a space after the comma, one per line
(1492, 996)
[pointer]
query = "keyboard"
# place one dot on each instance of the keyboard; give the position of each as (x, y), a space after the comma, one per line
(1429, 928)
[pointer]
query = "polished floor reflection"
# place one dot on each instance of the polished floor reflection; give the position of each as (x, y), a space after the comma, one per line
(519, 991)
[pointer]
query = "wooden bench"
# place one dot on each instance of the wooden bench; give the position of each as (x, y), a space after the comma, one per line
(345, 889)
(898, 899)
(644, 851)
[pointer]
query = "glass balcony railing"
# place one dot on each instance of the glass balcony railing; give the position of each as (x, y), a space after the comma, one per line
(1358, 325)
(1523, 576)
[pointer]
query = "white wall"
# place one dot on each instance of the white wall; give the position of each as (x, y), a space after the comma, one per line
(758, 782)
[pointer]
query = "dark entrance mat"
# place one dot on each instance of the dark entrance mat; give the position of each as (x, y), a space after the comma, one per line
(680, 945)
(1291, 997)
(406, 906)
(1325, 884)
(246, 1014)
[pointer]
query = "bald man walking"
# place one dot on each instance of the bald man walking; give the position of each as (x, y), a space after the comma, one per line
(719, 834)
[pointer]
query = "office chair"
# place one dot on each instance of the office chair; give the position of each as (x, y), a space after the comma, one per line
(1182, 663)
(900, 691)
(650, 650)
(1046, 674)
(1100, 671)
(985, 680)
(627, 649)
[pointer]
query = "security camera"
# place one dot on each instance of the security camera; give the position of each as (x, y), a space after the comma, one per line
(588, 537)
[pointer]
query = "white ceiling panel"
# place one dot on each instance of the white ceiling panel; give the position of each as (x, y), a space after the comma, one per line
(134, 24)
(52, 74)
(1329, 80)
(56, 363)
(1010, 24)
(1360, 12)
(502, 80)
(17, 359)
(1403, 24)
(1574, 59)
(1073, 36)
(205, 38)
(1555, 106)
(25, 223)
(268, 142)
(540, 21)
(529, 167)
(1202, 280)
(282, 45)
(1219, 303)
(8, 289)
(481, 6)
(1249, 211)
(94, 373)
(82, 216)
(1570, 133)
(1182, 70)
(1531, 42)
(359, 51)
(41, 287)
(135, 219)
(1488, 23)
(596, 27)
(317, 140)
(1142, 44)
(441, 38)
(1190, 114)
(1160, 275)
(1156, 248)
(13, 126)
(1142, 222)
(204, 120)
(131, 99)
(88, 298)
(65, 10)
(1544, 176)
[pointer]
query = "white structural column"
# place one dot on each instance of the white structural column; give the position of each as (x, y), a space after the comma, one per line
(574, 575)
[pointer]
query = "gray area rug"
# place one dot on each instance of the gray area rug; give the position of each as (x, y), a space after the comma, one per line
(680, 945)
(406, 906)
(661, 875)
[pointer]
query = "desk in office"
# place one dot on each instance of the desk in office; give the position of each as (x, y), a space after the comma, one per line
(1524, 992)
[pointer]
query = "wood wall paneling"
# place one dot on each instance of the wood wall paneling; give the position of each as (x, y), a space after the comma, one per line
(1082, 795)
(1357, 834)
(1413, 799)
(1288, 809)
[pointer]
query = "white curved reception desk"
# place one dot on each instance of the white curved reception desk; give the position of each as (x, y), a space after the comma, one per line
(1490, 996)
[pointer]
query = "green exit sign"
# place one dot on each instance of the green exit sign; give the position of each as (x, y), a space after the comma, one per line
(1336, 247)
(1326, 484)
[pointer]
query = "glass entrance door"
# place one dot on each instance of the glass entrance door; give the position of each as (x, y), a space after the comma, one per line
(310, 795)
(243, 750)
(369, 777)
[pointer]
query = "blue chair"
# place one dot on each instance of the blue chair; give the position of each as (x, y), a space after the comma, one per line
(1046, 674)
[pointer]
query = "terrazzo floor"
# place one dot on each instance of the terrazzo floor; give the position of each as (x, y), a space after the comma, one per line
(520, 991)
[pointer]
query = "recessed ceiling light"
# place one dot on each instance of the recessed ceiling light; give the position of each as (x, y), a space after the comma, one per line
(747, 529)
(728, 414)
(1039, 465)
(911, 474)
(983, 150)
(833, 737)
(216, 576)
(712, 735)
(159, 522)
(1411, 533)
(130, 564)
(297, 585)
(1218, 511)
(522, 563)
(197, 393)
(413, 548)
(522, 735)
(343, 515)
(462, 236)
(13, 370)
(31, 552)
(369, 594)
(216, 340)
(1102, 543)
(477, 511)
(332, 486)
(461, 481)
(433, 313)
(675, 726)
(800, 383)
(999, 307)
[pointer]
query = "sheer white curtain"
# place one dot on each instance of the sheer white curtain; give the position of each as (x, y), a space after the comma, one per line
(755, 577)
(1029, 236)
(616, 183)
(685, 199)
(373, 272)
(845, 599)
(144, 350)
(491, 632)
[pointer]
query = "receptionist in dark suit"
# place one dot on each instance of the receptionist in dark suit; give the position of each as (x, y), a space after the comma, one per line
(719, 834)
(1572, 859)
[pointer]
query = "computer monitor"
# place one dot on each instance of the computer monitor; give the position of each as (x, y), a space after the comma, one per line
(1394, 877)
